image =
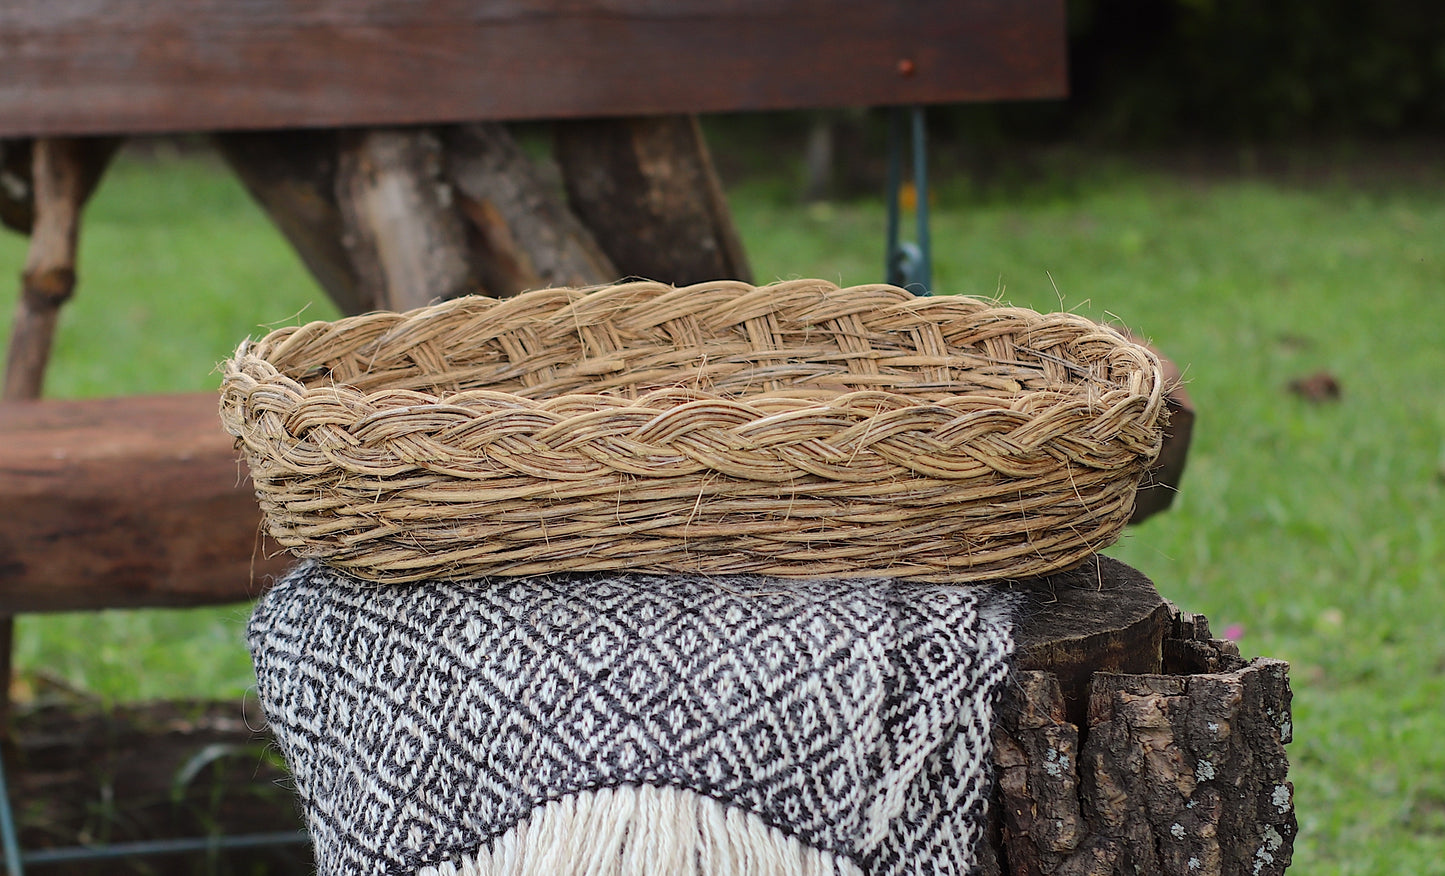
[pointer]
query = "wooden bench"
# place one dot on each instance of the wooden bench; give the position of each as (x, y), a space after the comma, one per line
(327, 110)
(131, 502)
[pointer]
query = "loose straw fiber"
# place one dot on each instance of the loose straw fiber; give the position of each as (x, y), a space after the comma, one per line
(796, 430)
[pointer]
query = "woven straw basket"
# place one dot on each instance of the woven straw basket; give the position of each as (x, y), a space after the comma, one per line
(795, 430)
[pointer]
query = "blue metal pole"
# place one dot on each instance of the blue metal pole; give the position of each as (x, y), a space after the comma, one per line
(8, 835)
(893, 272)
(924, 269)
(909, 265)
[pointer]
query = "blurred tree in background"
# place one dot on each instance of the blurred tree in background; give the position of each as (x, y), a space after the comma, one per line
(1166, 70)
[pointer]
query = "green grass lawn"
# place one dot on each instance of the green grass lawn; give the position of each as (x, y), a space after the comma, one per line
(1317, 528)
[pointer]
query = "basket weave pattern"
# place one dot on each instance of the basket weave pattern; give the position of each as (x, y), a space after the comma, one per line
(796, 430)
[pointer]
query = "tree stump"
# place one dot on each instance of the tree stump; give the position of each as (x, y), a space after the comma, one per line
(1118, 756)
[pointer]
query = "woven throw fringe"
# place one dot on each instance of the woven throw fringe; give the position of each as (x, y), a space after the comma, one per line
(638, 829)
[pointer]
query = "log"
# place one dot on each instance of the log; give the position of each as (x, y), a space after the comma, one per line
(522, 236)
(118, 66)
(1101, 616)
(406, 242)
(125, 503)
(1179, 773)
(647, 189)
(292, 176)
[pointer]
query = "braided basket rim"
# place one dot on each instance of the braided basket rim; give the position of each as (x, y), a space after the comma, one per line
(817, 404)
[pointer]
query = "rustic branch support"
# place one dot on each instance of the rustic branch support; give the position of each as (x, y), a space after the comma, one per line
(648, 190)
(408, 245)
(65, 172)
(522, 234)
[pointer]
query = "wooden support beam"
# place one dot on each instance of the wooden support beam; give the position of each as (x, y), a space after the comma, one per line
(292, 175)
(112, 66)
(125, 503)
(64, 173)
(406, 241)
(522, 234)
(647, 189)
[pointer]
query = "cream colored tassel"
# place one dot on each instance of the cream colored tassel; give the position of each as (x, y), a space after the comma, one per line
(640, 830)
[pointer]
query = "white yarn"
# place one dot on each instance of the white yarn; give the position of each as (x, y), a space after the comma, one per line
(637, 829)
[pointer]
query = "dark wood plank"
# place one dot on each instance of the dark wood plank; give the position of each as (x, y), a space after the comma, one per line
(132, 66)
(122, 503)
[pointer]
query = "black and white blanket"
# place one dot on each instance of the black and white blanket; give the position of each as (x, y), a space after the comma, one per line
(634, 724)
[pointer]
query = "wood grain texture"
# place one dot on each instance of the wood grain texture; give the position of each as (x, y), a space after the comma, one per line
(521, 234)
(132, 66)
(123, 503)
(407, 243)
(647, 189)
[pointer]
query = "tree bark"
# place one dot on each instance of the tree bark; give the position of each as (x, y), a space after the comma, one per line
(405, 240)
(647, 189)
(292, 175)
(522, 234)
(1179, 773)
(1101, 616)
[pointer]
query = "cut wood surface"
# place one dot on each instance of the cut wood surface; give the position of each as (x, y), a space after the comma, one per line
(125, 502)
(122, 66)
(1101, 616)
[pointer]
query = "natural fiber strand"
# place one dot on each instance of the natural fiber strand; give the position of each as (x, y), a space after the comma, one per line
(796, 430)
(637, 829)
